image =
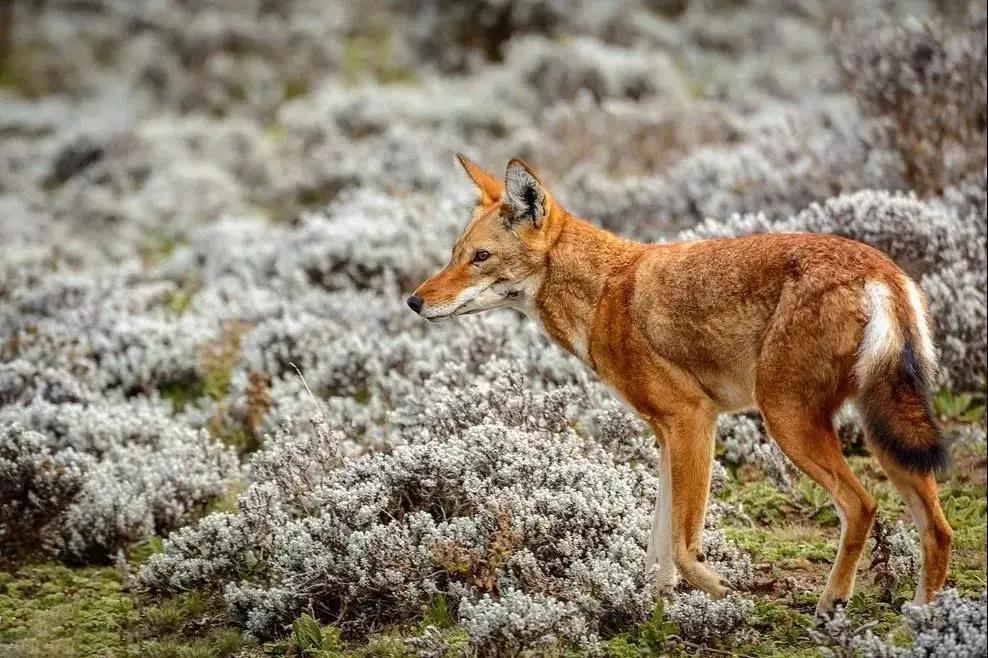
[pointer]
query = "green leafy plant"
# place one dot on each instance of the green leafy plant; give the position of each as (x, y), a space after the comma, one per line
(821, 508)
(309, 638)
(963, 407)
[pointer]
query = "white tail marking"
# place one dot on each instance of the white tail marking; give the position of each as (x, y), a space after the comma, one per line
(921, 322)
(882, 340)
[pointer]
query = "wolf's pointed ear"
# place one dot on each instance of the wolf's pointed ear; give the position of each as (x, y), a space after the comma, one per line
(524, 194)
(489, 188)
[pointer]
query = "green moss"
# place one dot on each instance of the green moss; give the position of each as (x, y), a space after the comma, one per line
(295, 88)
(437, 613)
(970, 581)
(655, 636)
(817, 505)
(187, 625)
(784, 546)
(762, 501)
(220, 643)
(965, 507)
(316, 197)
(50, 609)
(362, 396)
(383, 645)
(866, 608)
(782, 631)
(157, 247)
(217, 382)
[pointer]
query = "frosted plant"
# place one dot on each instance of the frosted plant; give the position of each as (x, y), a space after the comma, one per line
(949, 626)
(136, 492)
(789, 161)
(516, 620)
(502, 396)
(215, 548)
(896, 557)
(104, 337)
(463, 516)
(929, 81)
(263, 611)
(558, 72)
(98, 427)
(620, 431)
(125, 472)
(36, 485)
(733, 564)
(453, 512)
(295, 466)
(745, 442)
(625, 137)
(370, 239)
(702, 619)
(919, 236)
(837, 637)
(469, 30)
(22, 380)
(960, 313)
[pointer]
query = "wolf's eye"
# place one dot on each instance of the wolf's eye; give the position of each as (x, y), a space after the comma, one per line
(481, 255)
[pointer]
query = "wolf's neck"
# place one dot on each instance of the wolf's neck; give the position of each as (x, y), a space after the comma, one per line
(579, 264)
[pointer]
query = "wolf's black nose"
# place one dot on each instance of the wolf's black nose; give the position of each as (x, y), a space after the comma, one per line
(415, 303)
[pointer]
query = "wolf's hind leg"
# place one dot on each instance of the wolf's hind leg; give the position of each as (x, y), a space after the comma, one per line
(814, 448)
(919, 490)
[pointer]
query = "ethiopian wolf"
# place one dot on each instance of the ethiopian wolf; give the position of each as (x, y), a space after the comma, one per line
(791, 324)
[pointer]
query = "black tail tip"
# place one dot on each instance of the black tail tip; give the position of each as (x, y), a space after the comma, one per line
(933, 458)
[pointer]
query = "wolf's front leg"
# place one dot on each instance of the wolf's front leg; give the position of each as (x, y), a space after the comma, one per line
(660, 569)
(689, 451)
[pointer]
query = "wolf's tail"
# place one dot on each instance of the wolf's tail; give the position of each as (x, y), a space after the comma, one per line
(895, 368)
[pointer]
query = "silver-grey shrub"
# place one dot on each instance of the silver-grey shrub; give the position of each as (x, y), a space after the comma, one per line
(114, 473)
(36, 485)
(483, 510)
(927, 79)
(951, 626)
(703, 619)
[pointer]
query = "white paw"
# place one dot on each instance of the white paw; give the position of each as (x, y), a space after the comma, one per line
(661, 579)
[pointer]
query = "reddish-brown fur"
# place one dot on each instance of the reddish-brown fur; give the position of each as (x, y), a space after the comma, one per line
(685, 331)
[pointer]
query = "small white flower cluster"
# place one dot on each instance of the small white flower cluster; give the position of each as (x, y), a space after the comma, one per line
(723, 556)
(585, 64)
(951, 626)
(516, 620)
(786, 160)
(702, 619)
(107, 332)
(905, 557)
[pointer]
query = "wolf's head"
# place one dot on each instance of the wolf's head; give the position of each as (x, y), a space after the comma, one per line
(499, 258)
